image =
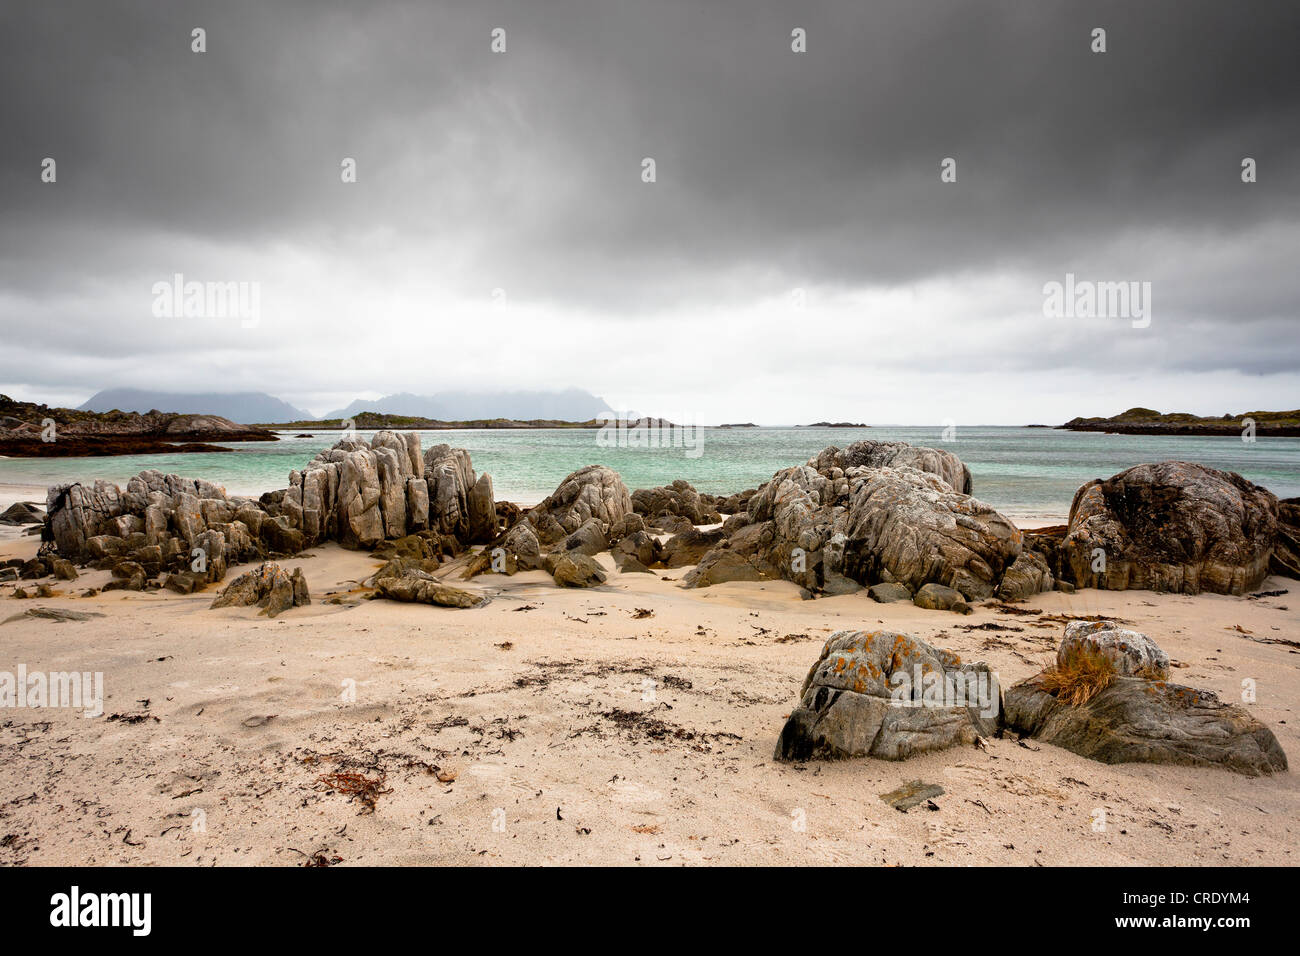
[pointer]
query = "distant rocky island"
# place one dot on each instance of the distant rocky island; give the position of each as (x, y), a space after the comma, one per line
(1147, 421)
(836, 425)
(368, 421)
(29, 430)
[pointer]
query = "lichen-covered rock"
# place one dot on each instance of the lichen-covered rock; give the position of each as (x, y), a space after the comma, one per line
(888, 695)
(1138, 720)
(1170, 526)
(1131, 653)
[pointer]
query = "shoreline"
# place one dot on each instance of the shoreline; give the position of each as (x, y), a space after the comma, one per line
(524, 713)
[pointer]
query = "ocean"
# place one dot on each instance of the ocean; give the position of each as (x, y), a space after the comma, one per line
(1026, 473)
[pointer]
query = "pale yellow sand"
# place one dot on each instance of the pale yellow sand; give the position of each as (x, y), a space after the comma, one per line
(251, 717)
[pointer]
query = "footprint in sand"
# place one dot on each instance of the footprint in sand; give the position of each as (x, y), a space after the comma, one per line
(625, 791)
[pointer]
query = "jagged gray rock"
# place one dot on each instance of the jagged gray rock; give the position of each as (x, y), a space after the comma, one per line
(896, 454)
(595, 491)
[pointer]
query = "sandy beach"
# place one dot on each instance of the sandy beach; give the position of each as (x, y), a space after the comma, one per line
(557, 726)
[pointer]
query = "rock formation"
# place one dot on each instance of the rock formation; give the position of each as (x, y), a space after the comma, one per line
(679, 498)
(268, 587)
(1170, 526)
(358, 493)
(829, 529)
(591, 492)
(896, 454)
(1134, 714)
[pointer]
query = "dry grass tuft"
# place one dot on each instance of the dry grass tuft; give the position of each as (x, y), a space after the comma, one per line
(1084, 674)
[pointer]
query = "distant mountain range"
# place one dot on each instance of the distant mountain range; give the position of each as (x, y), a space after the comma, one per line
(572, 405)
(242, 407)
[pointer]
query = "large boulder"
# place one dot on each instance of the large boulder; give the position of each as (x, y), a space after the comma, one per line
(77, 514)
(1170, 526)
(576, 570)
(690, 546)
(719, 566)
(588, 539)
(1130, 713)
(880, 524)
(888, 695)
(909, 527)
(361, 522)
(459, 502)
(595, 491)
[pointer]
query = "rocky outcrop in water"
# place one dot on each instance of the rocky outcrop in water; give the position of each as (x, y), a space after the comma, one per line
(39, 431)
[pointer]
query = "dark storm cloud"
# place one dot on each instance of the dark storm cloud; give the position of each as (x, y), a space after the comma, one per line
(775, 169)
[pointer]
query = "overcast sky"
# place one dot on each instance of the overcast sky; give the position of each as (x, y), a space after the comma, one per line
(776, 171)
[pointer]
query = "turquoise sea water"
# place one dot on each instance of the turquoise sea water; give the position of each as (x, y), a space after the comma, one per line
(1023, 472)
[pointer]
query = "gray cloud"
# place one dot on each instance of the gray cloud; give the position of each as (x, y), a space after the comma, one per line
(775, 170)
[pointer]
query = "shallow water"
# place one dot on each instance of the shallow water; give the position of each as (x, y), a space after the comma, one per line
(1024, 472)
